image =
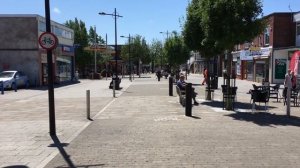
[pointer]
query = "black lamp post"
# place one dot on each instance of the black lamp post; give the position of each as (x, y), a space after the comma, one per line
(129, 44)
(115, 15)
(167, 32)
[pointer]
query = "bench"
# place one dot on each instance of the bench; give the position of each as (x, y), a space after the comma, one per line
(181, 95)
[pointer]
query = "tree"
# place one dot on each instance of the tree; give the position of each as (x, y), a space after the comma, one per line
(83, 58)
(139, 51)
(176, 51)
(91, 37)
(156, 52)
(221, 24)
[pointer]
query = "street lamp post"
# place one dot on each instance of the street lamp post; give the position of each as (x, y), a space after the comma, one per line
(167, 32)
(115, 15)
(95, 54)
(129, 44)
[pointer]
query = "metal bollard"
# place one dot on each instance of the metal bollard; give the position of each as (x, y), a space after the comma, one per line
(170, 86)
(15, 86)
(2, 87)
(114, 88)
(88, 105)
(188, 99)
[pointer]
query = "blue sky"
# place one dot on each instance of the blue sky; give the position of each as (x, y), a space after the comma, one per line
(144, 17)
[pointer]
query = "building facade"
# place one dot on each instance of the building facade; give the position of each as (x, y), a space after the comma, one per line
(261, 59)
(20, 49)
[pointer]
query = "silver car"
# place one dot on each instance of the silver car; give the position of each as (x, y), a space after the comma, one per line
(10, 79)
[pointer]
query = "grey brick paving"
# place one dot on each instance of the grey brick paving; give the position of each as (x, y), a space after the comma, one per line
(24, 115)
(144, 127)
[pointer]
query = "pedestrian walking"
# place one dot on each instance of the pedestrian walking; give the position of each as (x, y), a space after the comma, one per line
(158, 74)
(205, 75)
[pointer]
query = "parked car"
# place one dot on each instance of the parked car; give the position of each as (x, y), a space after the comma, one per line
(11, 78)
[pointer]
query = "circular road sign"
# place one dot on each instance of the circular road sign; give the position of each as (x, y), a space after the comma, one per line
(48, 40)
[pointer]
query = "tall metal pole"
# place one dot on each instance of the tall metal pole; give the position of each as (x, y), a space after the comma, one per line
(95, 54)
(129, 41)
(116, 44)
(50, 75)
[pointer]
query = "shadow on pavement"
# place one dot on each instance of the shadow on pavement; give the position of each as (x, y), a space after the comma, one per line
(16, 166)
(266, 119)
(195, 117)
(60, 146)
(55, 86)
(237, 105)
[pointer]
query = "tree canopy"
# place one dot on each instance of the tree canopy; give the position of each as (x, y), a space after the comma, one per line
(213, 26)
(176, 51)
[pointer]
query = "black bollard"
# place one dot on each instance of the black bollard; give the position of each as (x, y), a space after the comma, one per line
(170, 86)
(15, 86)
(188, 99)
(2, 87)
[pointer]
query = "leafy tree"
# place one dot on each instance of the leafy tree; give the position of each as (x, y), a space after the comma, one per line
(176, 51)
(139, 51)
(91, 37)
(156, 53)
(83, 58)
(221, 24)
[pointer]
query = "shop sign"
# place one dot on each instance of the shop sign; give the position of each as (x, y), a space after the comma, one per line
(246, 55)
(255, 52)
(66, 49)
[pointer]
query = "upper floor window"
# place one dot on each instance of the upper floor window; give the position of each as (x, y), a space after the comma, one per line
(63, 33)
(267, 36)
(298, 29)
(42, 26)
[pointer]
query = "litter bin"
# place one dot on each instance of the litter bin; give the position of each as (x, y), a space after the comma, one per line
(214, 82)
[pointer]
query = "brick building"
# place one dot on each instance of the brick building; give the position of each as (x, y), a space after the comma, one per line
(266, 56)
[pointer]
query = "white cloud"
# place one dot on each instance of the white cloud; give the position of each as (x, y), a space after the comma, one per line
(56, 10)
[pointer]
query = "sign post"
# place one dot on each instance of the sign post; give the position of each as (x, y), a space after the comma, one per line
(49, 41)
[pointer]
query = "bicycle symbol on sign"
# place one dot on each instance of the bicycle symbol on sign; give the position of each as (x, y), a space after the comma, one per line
(47, 41)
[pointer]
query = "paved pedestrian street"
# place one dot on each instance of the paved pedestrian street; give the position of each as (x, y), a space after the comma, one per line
(145, 127)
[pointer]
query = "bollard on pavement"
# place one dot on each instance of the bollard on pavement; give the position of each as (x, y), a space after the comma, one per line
(2, 87)
(188, 99)
(15, 86)
(114, 88)
(88, 105)
(170, 86)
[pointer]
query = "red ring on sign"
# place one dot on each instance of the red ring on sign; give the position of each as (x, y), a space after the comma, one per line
(55, 41)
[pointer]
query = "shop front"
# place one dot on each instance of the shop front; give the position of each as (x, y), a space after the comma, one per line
(281, 63)
(246, 62)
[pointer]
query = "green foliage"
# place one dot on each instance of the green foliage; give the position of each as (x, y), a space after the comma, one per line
(91, 37)
(176, 51)
(139, 50)
(213, 26)
(156, 52)
(83, 58)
